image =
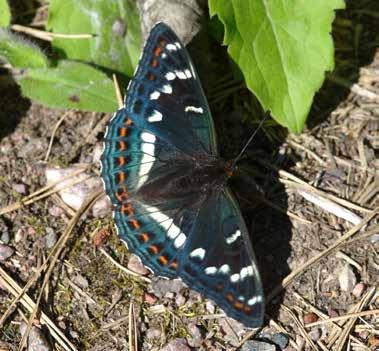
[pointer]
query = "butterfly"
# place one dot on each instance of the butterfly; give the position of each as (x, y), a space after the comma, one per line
(168, 185)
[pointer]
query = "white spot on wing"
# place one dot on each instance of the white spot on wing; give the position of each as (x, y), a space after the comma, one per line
(170, 76)
(188, 73)
(232, 238)
(179, 241)
(173, 231)
(167, 89)
(155, 117)
(210, 270)
(225, 269)
(193, 109)
(171, 47)
(148, 137)
(199, 253)
(147, 160)
(246, 272)
(252, 301)
(234, 277)
(180, 74)
(155, 95)
(164, 55)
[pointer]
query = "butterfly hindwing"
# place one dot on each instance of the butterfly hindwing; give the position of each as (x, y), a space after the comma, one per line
(219, 262)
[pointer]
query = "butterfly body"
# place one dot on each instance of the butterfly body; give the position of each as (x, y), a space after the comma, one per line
(168, 184)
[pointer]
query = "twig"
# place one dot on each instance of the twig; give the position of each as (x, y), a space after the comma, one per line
(124, 269)
(301, 327)
(27, 200)
(48, 36)
(29, 305)
(53, 134)
(57, 249)
(345, 316)
(133, 339)
(331, 207)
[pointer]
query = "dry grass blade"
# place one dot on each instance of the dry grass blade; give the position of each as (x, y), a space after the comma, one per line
(118, 91)
(296, 181)
(341, 341)
(58, 248)
(124, 269)
(133, 337)
(44, 192)
(47, 36)
(294, 274)
(301, 328)
(335, 327)
(345, 316)
(57, 125)
(29, 305)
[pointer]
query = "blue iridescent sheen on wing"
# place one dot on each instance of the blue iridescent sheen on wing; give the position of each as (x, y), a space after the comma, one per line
(162, 172)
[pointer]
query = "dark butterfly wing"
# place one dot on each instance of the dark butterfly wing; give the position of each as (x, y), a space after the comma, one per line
(218, 260)
(163, 130)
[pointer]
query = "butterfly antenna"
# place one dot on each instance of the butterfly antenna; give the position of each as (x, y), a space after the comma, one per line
(249, 141)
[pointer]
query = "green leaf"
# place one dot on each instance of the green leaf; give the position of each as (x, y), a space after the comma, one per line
(70, 85)
(5, 14)
(20, 53)
(283, 48)
(114, 25)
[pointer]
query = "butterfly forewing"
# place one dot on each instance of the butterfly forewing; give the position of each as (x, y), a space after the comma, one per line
(152, 144)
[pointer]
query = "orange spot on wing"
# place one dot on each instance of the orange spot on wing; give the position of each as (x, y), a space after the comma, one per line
(121, 176)
(121, 145)
(150, 76)
(123, 132)
(154, 63)
(238, 305)
(247, 310)
(122, 194)
(163, 260)
(127, 209)
(128, 121)
(157, 51)
(153, 249)
(144, 237)
(229, 297)
(174, 265)
(120, 161)
(134, 223)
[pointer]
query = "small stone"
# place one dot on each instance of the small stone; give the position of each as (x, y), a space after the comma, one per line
(358, 290)
(5, 252)
(50, 237)
(135, 265)
(310, 318)
(19, 188)
(81, 281)
(36, 340)
(210, 307)
(153, 333)
(55, 211)
(176, 345)
(315, 333)
(232, 330)
(150, 298)
(20, 234)
(5, 237)
(346, 278)
(119, 27)
(101, 237)
(332, 313)
(162, 286)
(169, 295)
(180, 300)
(97, 152)
(281, 340)
(196, 338)
(255, 345)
